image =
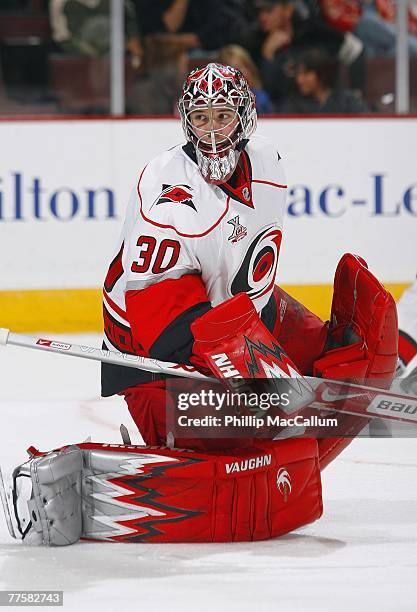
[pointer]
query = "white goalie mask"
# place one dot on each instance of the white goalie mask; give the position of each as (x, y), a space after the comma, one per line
(218, 114)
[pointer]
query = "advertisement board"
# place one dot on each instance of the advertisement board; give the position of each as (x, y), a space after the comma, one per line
(64, 185)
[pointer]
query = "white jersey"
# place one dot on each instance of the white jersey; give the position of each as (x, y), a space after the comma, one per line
(177, 224)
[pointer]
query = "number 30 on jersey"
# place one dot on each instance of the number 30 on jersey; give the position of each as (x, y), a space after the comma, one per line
(154, 255)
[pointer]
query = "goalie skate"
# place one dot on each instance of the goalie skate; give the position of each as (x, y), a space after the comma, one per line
(7, 503)
(16, 505)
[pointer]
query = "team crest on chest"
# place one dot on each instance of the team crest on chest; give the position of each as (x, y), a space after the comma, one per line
(256, 273)
(239, 230)
(175, 194)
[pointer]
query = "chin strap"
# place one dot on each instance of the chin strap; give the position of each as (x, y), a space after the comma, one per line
(217, 168)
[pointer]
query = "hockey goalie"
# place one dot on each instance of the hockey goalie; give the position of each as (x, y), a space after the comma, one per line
(194, 277)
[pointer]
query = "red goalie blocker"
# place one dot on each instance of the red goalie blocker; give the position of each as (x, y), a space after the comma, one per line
(233, 341)
(167, 495)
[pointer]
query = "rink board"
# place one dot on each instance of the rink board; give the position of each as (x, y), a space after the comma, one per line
(64, 185)
(74, 310)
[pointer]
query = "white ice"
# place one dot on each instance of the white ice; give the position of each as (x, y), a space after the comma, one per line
(361, 555)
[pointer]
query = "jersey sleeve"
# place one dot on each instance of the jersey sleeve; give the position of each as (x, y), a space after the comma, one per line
(161, 316)
(156, 252)
(164, 291)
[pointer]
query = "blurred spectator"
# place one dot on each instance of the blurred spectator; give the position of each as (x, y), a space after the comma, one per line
(198, 24)
(238, 57)
(287, 32)
(377, 28)
(243, 27)
(157, 87)
(24, 48)
(342, 15)
(412, 17)
(82, 27)
(315, 78)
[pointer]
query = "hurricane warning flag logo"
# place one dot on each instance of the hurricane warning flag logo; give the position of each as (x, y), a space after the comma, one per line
(175, 194)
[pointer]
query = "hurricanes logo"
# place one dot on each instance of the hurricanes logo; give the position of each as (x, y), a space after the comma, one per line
(256, 273)
(175, 194)
(284, 483)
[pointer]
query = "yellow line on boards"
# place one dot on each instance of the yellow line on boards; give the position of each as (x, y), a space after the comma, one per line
(79, 310)
(51, 310)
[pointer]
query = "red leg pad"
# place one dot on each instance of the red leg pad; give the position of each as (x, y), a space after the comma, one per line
(364, 318)
(186, 496)
(301, 333)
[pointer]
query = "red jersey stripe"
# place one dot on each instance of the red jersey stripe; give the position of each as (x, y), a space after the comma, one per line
(152, 309)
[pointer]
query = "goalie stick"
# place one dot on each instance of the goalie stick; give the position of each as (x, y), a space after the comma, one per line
(361, 400)
(98, 354)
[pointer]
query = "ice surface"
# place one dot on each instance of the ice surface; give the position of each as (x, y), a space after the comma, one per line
(360, 556)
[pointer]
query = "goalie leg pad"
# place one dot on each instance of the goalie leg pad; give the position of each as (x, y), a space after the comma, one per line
(364, 328)
(140, 494)
(52, 515)
(363, 325)
(301, 333)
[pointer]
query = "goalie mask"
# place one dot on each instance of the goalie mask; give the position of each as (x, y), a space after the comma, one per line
(218, 116)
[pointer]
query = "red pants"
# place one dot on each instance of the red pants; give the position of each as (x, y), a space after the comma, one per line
(299, 332)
